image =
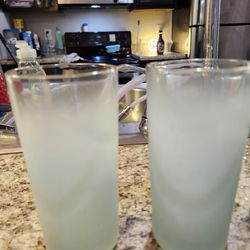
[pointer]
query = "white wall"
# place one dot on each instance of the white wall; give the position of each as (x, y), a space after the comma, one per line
(4, 24)
(101, 20)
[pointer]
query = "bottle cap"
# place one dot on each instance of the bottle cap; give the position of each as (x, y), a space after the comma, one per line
(25, 51)
(21, 43)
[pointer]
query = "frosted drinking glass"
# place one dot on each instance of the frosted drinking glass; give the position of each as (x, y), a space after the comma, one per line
(198, 118)
(67, 123)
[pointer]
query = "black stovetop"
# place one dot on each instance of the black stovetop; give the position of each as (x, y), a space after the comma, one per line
(92, 46)
(128, 59)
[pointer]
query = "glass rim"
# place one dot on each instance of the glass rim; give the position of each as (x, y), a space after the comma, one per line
(238, 65)
(104, 69)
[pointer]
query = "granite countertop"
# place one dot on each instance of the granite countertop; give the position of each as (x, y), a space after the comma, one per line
(141, 57)
(41, 60)
(154, 57)
(20, 228)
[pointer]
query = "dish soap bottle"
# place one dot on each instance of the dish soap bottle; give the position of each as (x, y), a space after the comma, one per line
(59, 41)
(38, 88)
(27, 58)
(160, 44)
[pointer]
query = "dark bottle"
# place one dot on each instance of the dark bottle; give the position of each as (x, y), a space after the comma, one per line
(160, 44)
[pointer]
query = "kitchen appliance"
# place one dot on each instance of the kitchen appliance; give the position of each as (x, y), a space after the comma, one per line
(10, 37)
(234, 33)
(11, 54)
(154, 3)
(94, 2)
(92, 46)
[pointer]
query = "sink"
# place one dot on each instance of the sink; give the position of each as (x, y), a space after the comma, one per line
(129, 132)
(135, 114)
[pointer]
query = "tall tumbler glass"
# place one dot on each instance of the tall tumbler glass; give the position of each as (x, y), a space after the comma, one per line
(67, 123)
(198, 124)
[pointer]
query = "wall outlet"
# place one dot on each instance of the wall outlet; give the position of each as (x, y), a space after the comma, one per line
(48, 34)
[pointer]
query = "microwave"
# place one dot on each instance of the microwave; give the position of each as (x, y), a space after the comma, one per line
(155, 3)
(94, 2)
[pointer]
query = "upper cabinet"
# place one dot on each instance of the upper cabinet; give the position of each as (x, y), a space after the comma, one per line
(158, 4)
(96, 3)
(129, 4)
(153, 4)
(53, 5)
(8, 5)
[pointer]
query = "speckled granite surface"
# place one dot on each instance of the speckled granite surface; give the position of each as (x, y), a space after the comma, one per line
(154, 57)
(142, 57)
(20, 228)
(41, 60)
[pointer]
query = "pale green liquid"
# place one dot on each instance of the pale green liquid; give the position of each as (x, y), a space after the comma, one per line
(70, 146)
(196, 145)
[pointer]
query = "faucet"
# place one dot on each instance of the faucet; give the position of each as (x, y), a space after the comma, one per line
(143, 126)
(212, 24)
(128, 87)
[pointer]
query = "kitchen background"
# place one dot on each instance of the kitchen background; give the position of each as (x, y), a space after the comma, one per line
(184, 25)
(98, 20)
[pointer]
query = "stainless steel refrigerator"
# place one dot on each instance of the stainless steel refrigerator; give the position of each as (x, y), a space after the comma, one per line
(234, 33)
